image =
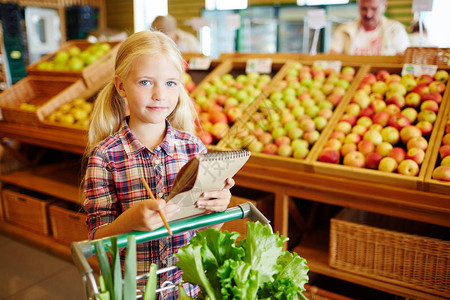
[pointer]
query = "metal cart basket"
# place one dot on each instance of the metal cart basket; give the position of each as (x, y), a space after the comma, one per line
(85, 249)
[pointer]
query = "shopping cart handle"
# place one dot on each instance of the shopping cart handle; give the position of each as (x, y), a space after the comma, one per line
(84, 249)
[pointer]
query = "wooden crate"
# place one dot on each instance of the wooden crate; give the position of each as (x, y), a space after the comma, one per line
(27, 209)
(394, 250)
(66, 96)
(412, 182)
(33, 90)
(103, 67)
(68, 222)
(290, 162)
(431, 184)
(264, 204)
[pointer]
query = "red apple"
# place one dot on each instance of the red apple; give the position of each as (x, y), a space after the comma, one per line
(381, 118)
(437, 86)
(434, 96)
(424, 79)
(442, 173)
(397, 153)
(444, 151)
(441, 75)
(387, 164)
(359, 129)
(408, 132)
(352, 138)
(218, 117)
(329, 155)
(399, 121)
(311, 137)
(366, 147)
(355, 159)
(339, 135)
(333, 143)
(382, 75)
(373, 160)
(379, 105)
(420, 89)
(347, 148)
(270, 149)
(366, 112)
(426, 127)
(408, 167)
(390, 134)
(412, 99)
(282, 140)
(396, 99)
(369, 78)
(416, 154)
(417, 142)
(392, 109)
(205, 137)
(219, 130)
(351, 119)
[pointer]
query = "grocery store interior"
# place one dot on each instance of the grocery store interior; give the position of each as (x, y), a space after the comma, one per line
(348, 156)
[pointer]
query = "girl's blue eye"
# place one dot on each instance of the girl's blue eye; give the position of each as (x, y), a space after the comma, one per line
(171, 83)
(145, 82)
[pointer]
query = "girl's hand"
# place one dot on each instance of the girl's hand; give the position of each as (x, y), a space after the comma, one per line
(145, 216)
(217, 200)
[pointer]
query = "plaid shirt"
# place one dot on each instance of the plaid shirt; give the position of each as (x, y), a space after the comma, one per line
(113, 184)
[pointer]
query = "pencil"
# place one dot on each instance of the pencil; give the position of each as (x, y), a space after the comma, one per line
(163, 218)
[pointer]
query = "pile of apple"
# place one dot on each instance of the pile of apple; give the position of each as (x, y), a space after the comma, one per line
(292, 118)
(388, 123)
(75, 59)
(189, 84)
(442, 171)
(77, 112)
(223, 100)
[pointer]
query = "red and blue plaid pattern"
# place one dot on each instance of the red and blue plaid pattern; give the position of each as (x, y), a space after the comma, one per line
(113, 184)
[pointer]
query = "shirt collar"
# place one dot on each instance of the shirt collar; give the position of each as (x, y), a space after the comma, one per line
(132, 146)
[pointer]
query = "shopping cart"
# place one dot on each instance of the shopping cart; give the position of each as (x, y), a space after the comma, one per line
(85, 249)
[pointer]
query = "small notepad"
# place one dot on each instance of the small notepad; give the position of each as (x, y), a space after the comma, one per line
(205, 172)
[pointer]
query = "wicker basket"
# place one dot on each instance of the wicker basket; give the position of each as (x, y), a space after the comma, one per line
(394, 250)
(427, 56)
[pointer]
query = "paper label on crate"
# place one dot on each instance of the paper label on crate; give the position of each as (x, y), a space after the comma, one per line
(199, 63)
(418, 70)
(326, 64)
(259, 65)
(316, 18)
(422, 5)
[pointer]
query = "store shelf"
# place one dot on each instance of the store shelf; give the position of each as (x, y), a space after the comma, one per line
(60, 181)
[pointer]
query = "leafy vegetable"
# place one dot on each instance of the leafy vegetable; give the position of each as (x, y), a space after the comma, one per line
(129, 286)
(255, 268)
(150, 288)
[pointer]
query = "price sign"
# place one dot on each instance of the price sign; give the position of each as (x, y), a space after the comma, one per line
(316, 18)
(334, 64)
(199, 63)
(418, 70)
(422, 5)
(259, 65)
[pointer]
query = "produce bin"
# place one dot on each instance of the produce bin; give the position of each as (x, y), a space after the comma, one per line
(25, 101)
(103, 66)
(394, 250)
(375, 175)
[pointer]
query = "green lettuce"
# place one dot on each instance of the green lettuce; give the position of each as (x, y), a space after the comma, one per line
(255, 268)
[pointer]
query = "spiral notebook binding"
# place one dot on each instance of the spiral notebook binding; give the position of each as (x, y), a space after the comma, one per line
(219, 155)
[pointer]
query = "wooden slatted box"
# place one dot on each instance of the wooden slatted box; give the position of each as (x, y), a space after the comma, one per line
(27, 209)
(68, 222)
(399, 251)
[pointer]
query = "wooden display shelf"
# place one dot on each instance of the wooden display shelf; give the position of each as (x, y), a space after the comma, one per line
(57, 181)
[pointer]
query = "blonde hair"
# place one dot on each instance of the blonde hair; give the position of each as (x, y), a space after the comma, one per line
(110, 108)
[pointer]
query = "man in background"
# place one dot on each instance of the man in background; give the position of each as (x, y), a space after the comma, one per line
(185, 41)
(371, 34)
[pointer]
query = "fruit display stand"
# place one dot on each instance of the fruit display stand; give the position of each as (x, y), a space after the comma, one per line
(103, 64)
(375, 175)
(274, 104)
(25, 100)
(286, 184)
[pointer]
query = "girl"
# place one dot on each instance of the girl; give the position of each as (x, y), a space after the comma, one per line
(155, 140)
